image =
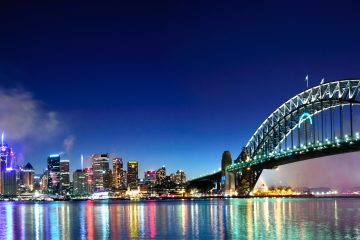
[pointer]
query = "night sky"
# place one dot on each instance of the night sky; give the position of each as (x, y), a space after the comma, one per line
(165, 83)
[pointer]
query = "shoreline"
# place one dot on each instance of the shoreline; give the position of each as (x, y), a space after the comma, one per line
(184, 198)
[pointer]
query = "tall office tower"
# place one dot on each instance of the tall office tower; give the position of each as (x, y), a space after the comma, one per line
(118, 174)
(100, 163)
(160, 175)
(54, 176)
(150, 177)
(27, 174)
(89, 182)
(37, 182)
(180, 177)
(64, 176)
(108, 180)
(44, 181)
(124, 180)
(7, 158)
(10, 186)
(79, 183)
(132, 174)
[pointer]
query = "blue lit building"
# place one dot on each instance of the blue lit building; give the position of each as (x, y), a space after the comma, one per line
(8, 184)
(53, 175)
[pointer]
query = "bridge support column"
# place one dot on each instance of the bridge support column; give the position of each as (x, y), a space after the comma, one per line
(246, 181)
(229, 183)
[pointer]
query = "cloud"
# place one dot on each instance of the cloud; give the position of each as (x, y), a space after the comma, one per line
(69, 143)
(24, 118)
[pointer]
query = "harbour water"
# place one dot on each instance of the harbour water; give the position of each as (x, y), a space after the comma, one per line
(260, 218)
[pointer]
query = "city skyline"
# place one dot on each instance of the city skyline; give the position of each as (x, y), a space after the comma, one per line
(171, 90)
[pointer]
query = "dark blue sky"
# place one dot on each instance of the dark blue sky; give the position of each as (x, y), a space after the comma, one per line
(170, 83)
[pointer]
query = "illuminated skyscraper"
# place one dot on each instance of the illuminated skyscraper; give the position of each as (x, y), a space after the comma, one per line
(100, 163)
(79, 180)
(89, 181)
(37, 182)
(27, 174)
(64, 176)
(118, 175)
(150, 177)
(108, 180)
(10, 186)
(180, 177)
(44, 181)
(54, 175)
(132, 174)
(7, 157)
(160, 175)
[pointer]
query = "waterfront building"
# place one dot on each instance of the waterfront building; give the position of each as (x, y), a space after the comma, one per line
(160, 175)
(37, 182)
(10, 185)
(100, 164)
(79, 183)
(64, 176)
(54, 176)
(7, 158)
(118, 174)
(44, 181)
(108, 180)
(125, 179)
(168, 183)
(89, 181)
(179, 177)
(150, 177)
(27, 174)
(132, 174)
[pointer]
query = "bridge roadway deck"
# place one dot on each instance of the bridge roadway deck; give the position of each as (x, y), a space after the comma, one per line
(301, 155)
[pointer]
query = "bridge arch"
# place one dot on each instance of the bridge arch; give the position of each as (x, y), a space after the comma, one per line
(284, 120)
(273, 142)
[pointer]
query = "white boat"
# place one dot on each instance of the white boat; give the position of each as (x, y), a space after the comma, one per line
(99, 196)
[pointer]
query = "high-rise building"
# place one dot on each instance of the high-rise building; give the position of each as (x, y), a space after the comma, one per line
(89, 181)
(7, 158)
(54, 177)
(150, 177)
(108, 180)
(125, 179)
(10, 186)
(132, 174)
(64, 176)
(160, 175)
(179, 177)
(37, 182)
(100, 163)
(118, 174)
(27, 174)
(44, 181)
(79, 183)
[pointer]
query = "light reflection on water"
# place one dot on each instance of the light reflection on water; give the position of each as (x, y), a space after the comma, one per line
(265, 218)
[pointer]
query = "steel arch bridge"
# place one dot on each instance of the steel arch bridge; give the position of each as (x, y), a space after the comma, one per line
(316, 122)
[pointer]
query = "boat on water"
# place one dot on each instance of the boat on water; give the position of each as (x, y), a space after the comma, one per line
(100, 196)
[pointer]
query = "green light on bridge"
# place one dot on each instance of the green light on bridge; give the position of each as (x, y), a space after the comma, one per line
(303, 118)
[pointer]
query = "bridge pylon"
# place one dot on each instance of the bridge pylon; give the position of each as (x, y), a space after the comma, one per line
(245, 180)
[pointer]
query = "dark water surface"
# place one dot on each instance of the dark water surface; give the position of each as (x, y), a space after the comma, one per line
(268, 218)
